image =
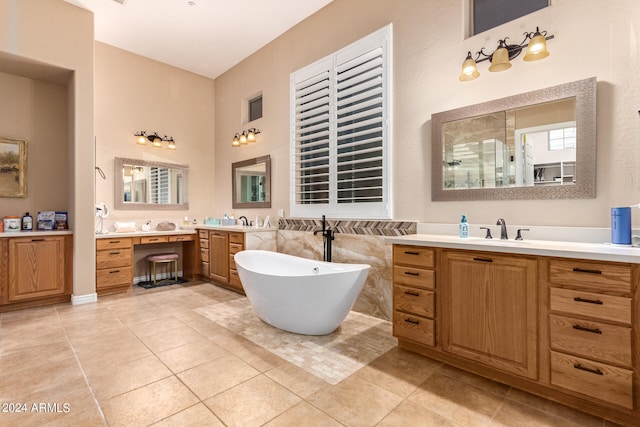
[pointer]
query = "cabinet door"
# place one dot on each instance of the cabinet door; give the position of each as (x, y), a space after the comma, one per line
(489, 310)
(219, 256)
(36, 267)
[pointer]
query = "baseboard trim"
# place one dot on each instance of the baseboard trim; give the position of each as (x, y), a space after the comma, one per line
(84, 299)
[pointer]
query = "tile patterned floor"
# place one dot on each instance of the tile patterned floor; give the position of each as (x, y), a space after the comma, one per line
(151, 358)
(359, 340)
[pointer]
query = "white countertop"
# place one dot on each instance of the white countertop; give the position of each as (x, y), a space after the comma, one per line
(138, 233)
(242, 228)
(36, 233)
(593, 251)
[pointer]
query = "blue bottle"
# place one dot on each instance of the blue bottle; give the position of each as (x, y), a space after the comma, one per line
(463, 231)
(621, 226)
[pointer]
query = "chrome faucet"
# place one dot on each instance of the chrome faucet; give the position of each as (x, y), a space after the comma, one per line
(244, 219)
(503, 229)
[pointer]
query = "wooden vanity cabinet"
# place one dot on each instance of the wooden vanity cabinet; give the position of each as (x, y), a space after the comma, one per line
(114, 265)
(489, 309)
(413, 294)
(591, 329)
(35, 271)
(236, 244)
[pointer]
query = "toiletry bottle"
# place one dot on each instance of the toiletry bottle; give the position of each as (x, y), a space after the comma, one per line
(464, 227)
(27, 222)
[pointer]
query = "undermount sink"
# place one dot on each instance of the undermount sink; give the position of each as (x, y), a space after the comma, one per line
(496, 241)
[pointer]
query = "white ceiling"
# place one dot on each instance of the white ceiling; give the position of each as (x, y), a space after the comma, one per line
(207, 38)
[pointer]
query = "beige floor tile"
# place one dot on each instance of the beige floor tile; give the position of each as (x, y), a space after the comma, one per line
(475, 380)
(252, 403)
(410, 414)
(355, 401)
(166, 340)
(191, 354)
(96, 357)
(218, 375)
(296, 379)
(15, 340)
(555, 409)
(514, 413)
(261, 359)
(142, 315)
(457, 401)
(196, 416)
(399, 371)
(114, 380)
(151, 327)
(21, 359)
(148, 404)
(303, 414)
(88, 417)
(18, 384)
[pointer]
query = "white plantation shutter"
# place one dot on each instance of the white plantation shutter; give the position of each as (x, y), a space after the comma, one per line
(159, 185)
(340, 148)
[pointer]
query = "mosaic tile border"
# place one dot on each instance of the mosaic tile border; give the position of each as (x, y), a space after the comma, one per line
(361, 227)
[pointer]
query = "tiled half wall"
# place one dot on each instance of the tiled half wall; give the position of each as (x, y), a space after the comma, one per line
(355, 242)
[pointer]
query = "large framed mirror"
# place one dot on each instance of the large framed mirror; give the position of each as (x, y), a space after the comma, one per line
(251, 183)
(536, 145)
(142, 184)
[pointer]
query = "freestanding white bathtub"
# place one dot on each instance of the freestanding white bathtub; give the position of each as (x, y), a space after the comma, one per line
(299, 295)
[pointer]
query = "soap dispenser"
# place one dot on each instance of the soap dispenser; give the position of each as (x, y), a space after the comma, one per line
(464, 227)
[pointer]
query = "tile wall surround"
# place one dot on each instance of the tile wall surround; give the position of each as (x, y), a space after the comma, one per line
(356, 241)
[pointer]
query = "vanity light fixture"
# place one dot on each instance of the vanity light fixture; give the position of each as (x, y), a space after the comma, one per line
(154, 139)
(245, 137)
(536, 43)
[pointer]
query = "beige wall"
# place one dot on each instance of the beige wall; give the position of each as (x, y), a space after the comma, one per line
(37, 113)
(40, 38)
(428, 52)
(134, 93)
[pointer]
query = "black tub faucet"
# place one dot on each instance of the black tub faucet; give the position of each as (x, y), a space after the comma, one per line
(503, 229)
(327, 236)
(244, 219)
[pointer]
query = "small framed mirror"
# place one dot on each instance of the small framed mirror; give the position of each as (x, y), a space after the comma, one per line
(145, 185)
(251, 182)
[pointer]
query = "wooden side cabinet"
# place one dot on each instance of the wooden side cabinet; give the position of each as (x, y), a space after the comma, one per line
(35, 270)
(219, 256)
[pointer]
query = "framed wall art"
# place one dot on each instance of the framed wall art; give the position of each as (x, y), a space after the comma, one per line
(13, 168)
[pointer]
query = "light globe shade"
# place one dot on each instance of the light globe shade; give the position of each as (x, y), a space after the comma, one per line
(537, 48)
(500, 60)
(142, 140)
(469, 69)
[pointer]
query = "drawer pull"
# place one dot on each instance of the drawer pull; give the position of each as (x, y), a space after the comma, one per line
(153, 240)
(590, 301)
(114, 253)
(584, 368)
(483, 259)
(412, 293)
(585, 329)
(585, 270)
(414, 322)
(179, 239)
(114, 271)
(411, 273)
(114, 241)
(411, 253)
(37, 240)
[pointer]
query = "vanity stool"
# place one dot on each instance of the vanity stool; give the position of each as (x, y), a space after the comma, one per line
(166, 258)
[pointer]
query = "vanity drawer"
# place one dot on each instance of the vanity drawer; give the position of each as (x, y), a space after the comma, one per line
(204, 243)
(113, 258)
(591, 275)
(235, 248)
(232, 262)
(204, 254)
(203, 234)
(145, 240)
(414, 328)
(113, 277)
(235, 237)
(413, 300)
(605, 307)
(204, 269)
(601, 341)
(412, 276)
(234, 280)
(113, 243)
(413, 255)
(604, 382)
(181, 238)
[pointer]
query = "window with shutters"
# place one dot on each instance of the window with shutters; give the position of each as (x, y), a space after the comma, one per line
(341, 139)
